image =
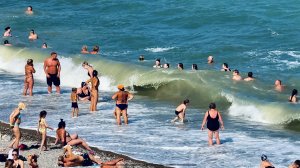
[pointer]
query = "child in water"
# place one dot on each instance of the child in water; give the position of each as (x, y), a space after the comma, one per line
(180, 111)
(74, 99)
(42, 129)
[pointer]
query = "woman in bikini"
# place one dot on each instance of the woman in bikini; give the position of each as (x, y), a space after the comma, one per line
(94, 80)
(84, 92)
(213, 119)
(18, 163)
(15, 121)
(42, 129)
(29, 81)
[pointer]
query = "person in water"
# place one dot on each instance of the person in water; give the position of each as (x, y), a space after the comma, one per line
(250, 77)
(278, 85)
(74, 106)
(293, 97)
(15, 121)
(69, 159)
(194, 67)
(95, 82)
(6, 43)
(295, 164)
(213, 119)
(95, 50)
(88, 67)
(265, 163)
(84, 50)
(32, 35)
(42, 130)
(180, 66)
(180, 111)
(210, 59)
(157, 64)
(29, 81)
(44, 45)
(29, 10)
(18, 163)
(236, 75)
(225, 67)
(166, 66)
(84, 92)
(52, 70)
(7, 32)
(122, 97)
(64, 138)
(141, 58)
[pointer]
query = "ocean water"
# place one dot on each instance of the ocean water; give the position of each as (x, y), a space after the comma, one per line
(262, 37)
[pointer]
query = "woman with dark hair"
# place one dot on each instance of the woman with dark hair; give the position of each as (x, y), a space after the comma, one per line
(7, 32)
(6, 43)
(29, 81)
(296, 164)
(84, 92)
(180, 66)
(95, 50)
(95, 82)
(194, 67)
(42, 129)
(293, 97)
(32, 35)
(18, 163)
(250, 77)
(213, 119)
(225, 67)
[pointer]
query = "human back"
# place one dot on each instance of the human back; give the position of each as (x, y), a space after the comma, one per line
(122, 97)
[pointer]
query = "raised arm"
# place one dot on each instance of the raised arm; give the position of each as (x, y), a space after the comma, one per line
(221, 120)
(204, 120)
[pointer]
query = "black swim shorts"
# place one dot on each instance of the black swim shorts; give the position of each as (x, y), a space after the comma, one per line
(74, 105)
(53, 79)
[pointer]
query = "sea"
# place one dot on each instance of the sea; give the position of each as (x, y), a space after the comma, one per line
(258, 36)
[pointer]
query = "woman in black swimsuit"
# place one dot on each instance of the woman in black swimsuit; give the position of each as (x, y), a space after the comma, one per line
(213, 119)
(84, 92)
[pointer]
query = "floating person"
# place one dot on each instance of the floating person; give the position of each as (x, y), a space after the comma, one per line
(84, 92)
(250, 77)
(52, 70)
(122, 97)
(95, 82)
(44, 45)
(88, 67)
(293, 97)
(278, 85)
(166, 66)
(29, 81)
(15, 121)
(236, 75)
(32, 35)
(180, 66)
(213, 119)
(74, 105)
(42, 129)
(95, 50)
(6, 43)
(210, 59)
(7, 32)
(157, 63)
(29, 10)
(18, 163)
(225, 67)
(296, 164)
(265, 163)
(141, 58)
(32, 161)
(180, 111)
(194, 67)
(84, 50)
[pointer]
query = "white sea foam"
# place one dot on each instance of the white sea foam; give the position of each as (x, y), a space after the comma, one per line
(158, 49)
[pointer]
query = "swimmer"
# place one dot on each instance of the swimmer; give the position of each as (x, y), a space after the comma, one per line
(225, 67)
(278, 85)
(194, 67)
(210, 59)
(29, 10)
(7, 32)
(180, 111)
(32, 35)
(29, 81)
(180, 66)
(166, 66)
(6, 43)
(236, 75)
(122, 97)
(84, 50)
(293, 97)
(94, 80)
(95, 50)
(52, 70)
(15, 121)
(88, 67)
(42, 129)
(44, 45)
(250, 77)
(296, 164)
(213, 119)
(141, 58)
(74, 98)
(265, 163)
(157, 64)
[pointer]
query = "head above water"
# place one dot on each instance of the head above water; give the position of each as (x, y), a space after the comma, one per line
(96, 48)
(166, 65)
(21, 106)
(180, 65)
(186, 101)
(236, 71)
(250, 74)
(32, 31)
(225, 65)
(29, 8)
(210, 59)
(278, 82)
(294, 92)
(95, 73)
(30, 62)
(43, 114)
(45, 45)
(141, 58)
(7, 28)
(297, 163)
(61, 124)
(212, 106)
(194, 67)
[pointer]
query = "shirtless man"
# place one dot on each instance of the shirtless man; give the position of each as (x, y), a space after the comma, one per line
(29, 82)
(250, 77)
(122, 97)
(278, 85)
(95, 82)
(32, 35)
(236, 75)
(180, 111)
(52, 70)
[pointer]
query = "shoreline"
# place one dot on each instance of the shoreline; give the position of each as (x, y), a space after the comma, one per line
(32, 137)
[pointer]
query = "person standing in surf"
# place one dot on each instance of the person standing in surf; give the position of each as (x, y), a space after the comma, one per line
(278, 85)
(74, 106)
(122, 97)
(52, 70)
(29, 81)
(180, 111)
(213, 119)
(95, 82)
(15, 121)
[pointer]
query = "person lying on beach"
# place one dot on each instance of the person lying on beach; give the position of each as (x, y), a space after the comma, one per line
(95, 50)
(293, 97)
(29, 81)
(88, 67)
(18, 163)
(250, 77)
(69, 159)
(278, 85)
(84, 50)
(32, 161)
(32, 35)
(236, 75)
(15, 121)
(65, 138)
(265, 163)
(180, 111)
(7, 32)
(296, 164)
(83, 92)
(29, 10)
(6, 43)
(210, 59)
(42, 129)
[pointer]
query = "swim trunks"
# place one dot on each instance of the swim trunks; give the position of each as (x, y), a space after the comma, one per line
(53, 79)
(122, 106)
(213, 123)
(177, 112)
(74, 105)
(87, 161)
